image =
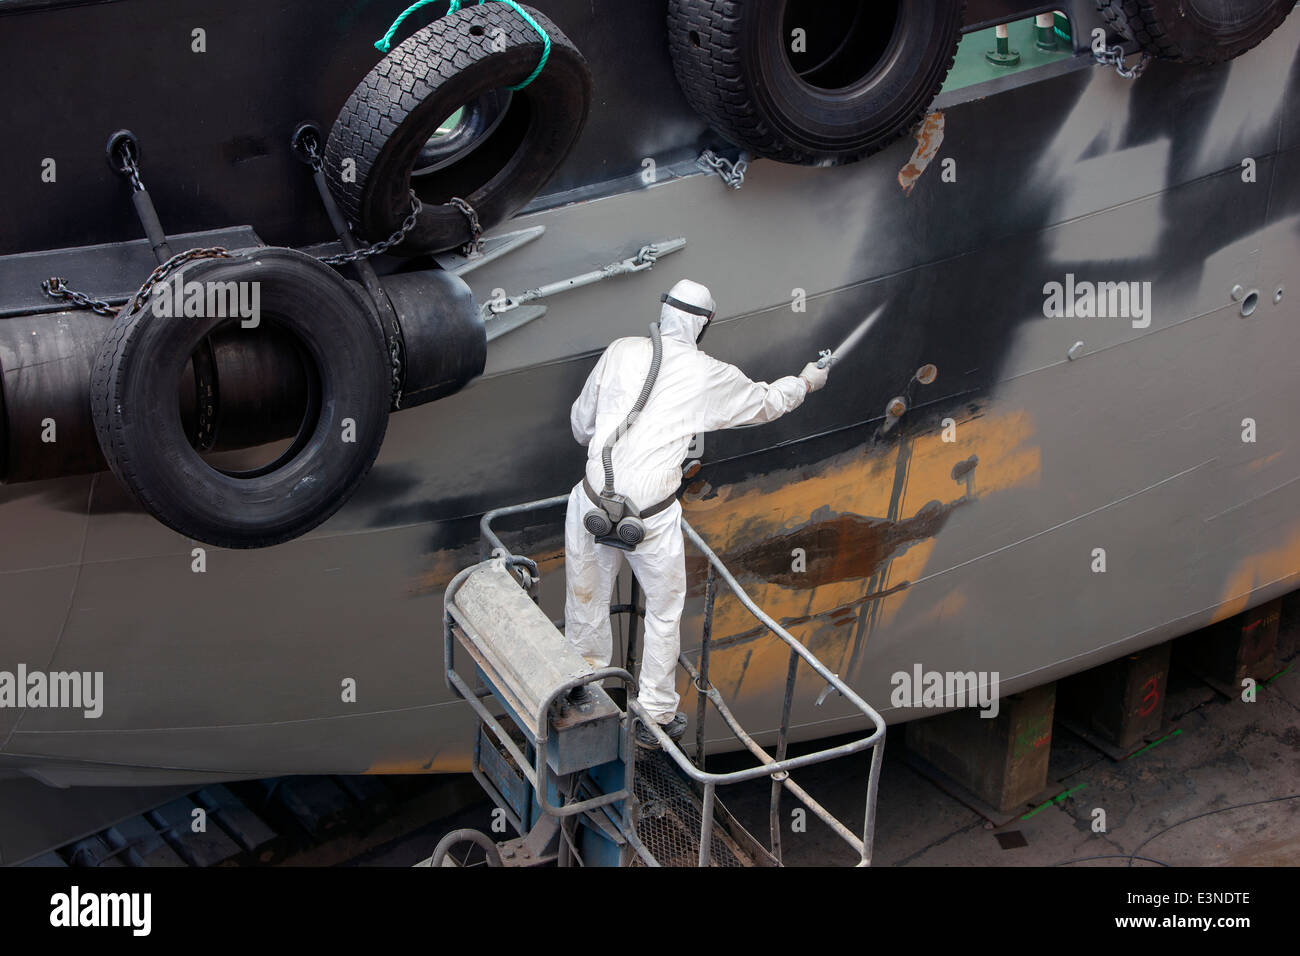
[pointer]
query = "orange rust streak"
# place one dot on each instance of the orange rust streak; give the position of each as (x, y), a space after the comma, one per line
(1254, 572)
(861, 484)
(450, 760)
(445, 566)
(929, 137)
(1259, 464)
(906, 567)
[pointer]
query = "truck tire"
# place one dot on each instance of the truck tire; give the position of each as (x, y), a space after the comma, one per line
(468, 57)
(818, 85)
(135, 383)
(1195, 31)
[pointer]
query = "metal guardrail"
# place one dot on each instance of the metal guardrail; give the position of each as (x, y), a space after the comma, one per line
(778, 767)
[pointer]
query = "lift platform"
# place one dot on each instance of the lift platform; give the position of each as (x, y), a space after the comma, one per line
(569, 778)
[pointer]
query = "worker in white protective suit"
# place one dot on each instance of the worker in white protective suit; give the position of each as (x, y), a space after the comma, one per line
(693, 393)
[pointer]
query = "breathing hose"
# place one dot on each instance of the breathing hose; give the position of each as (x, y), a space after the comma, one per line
(607, 453)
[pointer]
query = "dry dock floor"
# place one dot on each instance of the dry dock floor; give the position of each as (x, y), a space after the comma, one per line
(1216, 754)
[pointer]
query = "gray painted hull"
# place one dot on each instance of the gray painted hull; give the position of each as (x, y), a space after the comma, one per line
(1134, 447)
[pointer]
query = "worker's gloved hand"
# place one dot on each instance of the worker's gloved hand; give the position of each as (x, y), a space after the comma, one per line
(814, 376)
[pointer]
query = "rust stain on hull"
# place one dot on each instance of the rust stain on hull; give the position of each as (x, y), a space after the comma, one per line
(929, 137)
(1257, 571)
(837, 547)
(837, 616)
(448, 760)
(860, 556)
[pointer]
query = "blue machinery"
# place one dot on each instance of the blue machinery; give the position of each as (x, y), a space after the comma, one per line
(570, 778)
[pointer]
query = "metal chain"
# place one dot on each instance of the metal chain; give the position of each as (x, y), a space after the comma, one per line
(373, 250)
(475, 244)
(395, 364)
(733, 174)
(1114, 56)
(312, 148)
(129, 167)
(165, 269)
(56, 288)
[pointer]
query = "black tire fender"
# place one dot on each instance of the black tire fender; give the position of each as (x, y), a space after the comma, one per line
(135, 382)
(398, 107)
(1195, 31)
(865, 75)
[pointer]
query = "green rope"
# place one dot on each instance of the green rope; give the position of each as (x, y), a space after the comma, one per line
(385, 43)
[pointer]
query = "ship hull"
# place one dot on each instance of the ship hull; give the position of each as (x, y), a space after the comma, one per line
(965, 538)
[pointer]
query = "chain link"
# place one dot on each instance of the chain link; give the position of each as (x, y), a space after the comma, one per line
(1114, 56)
(395, 362)
(312, 148)
(364, 252)
(475, 245)
(165, 269)
(129, 166)
(733, 174)
(56, 288)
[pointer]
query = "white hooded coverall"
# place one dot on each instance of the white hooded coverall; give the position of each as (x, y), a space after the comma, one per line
(694, 393)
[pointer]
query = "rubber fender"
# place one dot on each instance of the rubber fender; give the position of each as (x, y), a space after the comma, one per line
(137, 377)
(1196, 31)
(812, 84)
(375, 143)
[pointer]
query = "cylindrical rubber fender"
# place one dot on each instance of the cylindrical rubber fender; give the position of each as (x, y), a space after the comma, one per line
(817, 84)
(240, 388)
(45, 426)
(1196, 31)
(445, 341)
(137, 378)
(259, 383)
(458, 65)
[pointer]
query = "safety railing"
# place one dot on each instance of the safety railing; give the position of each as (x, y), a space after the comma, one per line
(777, 767)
